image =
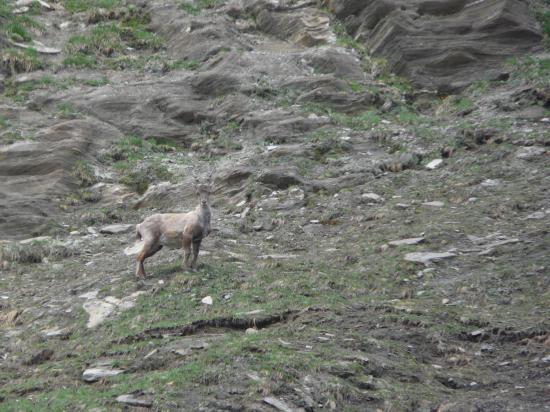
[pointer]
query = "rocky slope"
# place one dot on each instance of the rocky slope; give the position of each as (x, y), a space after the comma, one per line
(377, 245)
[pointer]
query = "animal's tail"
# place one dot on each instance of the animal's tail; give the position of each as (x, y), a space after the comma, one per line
(138, 233)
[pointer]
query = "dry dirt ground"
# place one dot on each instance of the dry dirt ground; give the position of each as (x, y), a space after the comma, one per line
(313, 306)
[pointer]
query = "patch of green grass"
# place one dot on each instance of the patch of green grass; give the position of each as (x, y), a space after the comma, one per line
(18, 28)
(108, 40)
(407, 115)
(196, 6)
(75, 6)
(531, 69)
(345, 40)
(80, 60)
(356, 87)
(544, 18)
(67, 111)
(463, 104)
(183, 64)
(104, 39)
(4, 123)
(362, 121)
(96, 82)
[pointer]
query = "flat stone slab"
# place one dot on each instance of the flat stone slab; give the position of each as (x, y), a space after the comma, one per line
(428, 257)
(95, 374)
(116, 229)
(132, 400)
(410, 241)
(101, 309)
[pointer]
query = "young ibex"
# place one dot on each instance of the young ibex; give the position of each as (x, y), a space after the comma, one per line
(175, 230)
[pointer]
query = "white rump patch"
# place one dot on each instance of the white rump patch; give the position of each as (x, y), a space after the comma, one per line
(134, 250)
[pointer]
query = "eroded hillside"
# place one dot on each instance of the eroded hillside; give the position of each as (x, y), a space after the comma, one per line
(378, 244)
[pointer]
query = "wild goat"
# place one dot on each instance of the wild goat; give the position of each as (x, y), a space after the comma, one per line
(175, 230)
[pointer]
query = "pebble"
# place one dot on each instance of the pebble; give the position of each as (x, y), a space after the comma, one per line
(207, 300)
(251, 331)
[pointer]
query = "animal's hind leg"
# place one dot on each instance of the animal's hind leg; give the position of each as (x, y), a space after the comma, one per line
(148, 250)
(196, 247)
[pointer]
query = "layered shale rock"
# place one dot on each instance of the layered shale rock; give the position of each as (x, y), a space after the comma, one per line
(34, 175)
(441, 44)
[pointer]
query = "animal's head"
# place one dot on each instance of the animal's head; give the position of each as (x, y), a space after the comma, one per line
(203, 190)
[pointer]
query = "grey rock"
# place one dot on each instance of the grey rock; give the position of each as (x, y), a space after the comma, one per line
(116, 229)
(95, 374)
(278, 404)
(428, 257)
(34, 173)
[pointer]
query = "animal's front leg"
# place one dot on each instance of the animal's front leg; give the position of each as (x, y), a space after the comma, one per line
(186, 246)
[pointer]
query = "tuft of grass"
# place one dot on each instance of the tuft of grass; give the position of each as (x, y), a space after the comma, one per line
(20, 60)
(18, 28)
(84, 172)
(110, 40)
(35, 251)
